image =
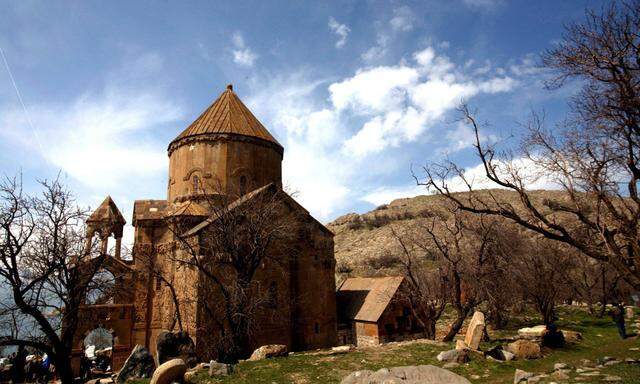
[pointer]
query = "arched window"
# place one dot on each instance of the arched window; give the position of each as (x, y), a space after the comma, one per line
(196, 184)
(243, 185)
(273, 295)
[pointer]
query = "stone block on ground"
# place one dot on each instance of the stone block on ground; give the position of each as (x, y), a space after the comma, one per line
(342, 349)
(453, 355)
(140, 364)
(475, 331)
(521, 376)
(532, 332)
(219, 369)
(268, 351)
(169, 372)
(572, 337)
(524, 349)
(423, 374)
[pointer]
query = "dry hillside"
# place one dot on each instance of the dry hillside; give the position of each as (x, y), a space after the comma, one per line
(363, 242)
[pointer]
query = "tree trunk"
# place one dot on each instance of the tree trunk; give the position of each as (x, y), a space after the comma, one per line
(63, 368)
(457, 324)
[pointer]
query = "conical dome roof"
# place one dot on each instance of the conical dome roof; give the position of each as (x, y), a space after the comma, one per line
(227, 115)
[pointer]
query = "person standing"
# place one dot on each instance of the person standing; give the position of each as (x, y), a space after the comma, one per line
(618, 317)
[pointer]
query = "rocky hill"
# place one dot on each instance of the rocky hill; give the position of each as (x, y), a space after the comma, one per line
(364, 242)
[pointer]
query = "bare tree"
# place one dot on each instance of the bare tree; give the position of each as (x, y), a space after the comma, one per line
(427, 286)
(228, 253)
(593, 156)
(44, 270)
(543, 270)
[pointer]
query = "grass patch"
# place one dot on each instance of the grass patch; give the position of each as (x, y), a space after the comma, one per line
(600, 339)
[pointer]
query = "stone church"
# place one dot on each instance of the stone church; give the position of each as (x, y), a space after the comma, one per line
(225, 157)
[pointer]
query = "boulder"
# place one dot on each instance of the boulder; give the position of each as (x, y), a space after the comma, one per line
(524, 349)
(571, 336)
(422, 374)
(169, 372)
(268, 351)
(533, 332)
(219, 369)
(521, 376)
(475, 331)
(176, 345)
(454, 355)
(139, 364)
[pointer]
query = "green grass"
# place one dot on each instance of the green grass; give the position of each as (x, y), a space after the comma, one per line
(600, 339)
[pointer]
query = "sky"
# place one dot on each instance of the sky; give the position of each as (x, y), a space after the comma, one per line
(359, 93)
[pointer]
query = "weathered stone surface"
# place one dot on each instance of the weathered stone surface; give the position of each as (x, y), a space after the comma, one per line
(475, 330)
(453, 355)
(532, 332)
(524, 349)
(139, 364)
(178, 345)
(521, 376)
(219, 369)
(169, 372)
(558, 366)
(572, 336)
(422, 374)
(268, 351)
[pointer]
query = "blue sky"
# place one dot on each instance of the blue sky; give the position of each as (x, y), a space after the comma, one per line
(358, 92)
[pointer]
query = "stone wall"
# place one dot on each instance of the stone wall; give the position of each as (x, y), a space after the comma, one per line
(230, 166)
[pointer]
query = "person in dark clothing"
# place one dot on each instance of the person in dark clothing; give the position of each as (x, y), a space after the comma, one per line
(552, 337)
(18, 365)
(618, 317)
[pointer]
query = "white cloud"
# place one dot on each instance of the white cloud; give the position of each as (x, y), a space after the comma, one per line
(242, 55)
(533, 176)
(403, 101)
(379, 50)
(535, 179)
(402, 19)
(330, 140)
(385, 195)
(340, 30)
(96, 139)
